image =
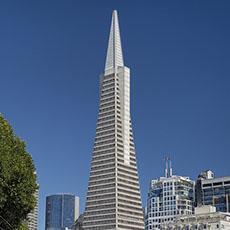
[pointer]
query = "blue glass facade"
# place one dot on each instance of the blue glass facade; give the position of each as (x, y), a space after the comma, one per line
(60, 211)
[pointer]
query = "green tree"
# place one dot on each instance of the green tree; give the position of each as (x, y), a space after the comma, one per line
(17, 179)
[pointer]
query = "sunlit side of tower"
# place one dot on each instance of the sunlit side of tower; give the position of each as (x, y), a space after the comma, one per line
(113, 198)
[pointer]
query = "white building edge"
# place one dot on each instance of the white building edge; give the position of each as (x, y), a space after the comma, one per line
(205, 217)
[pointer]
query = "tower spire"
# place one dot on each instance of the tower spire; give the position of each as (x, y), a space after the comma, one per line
(114, 56)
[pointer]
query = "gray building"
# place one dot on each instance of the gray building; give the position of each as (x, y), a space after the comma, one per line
(78, 223)
(213, 191)
(62, 210)
(113, 197)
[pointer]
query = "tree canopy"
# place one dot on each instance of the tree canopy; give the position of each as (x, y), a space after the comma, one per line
(17, 179)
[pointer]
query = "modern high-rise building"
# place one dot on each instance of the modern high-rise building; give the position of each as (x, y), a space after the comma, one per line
(32, 218)
(61, 211)
(213, 191)
(168, 197)
(113, 197)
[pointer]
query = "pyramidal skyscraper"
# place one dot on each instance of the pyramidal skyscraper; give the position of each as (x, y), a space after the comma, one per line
(113, 198)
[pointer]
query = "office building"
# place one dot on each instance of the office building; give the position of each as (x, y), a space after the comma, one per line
(113, 197)
(205, 217)
(32, 217)
(168, 197)
(61, 211)
(213, 191)
(207, 174)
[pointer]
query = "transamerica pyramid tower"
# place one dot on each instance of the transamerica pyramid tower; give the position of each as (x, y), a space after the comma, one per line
(113, 198)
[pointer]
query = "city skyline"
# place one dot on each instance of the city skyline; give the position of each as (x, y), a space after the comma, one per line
(179, 56)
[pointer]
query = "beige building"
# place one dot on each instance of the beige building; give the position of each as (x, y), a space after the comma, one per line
(205, 217)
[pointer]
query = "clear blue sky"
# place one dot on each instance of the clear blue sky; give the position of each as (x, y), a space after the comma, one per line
(52, 53)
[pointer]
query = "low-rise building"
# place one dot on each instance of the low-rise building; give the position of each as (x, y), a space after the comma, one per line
(213, 191)
(205, 217)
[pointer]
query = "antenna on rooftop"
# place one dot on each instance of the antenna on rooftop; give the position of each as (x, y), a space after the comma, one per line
(166, 166)
(170, 166)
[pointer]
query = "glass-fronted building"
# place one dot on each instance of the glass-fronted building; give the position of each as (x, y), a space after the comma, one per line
(61, 211)
(168, 197)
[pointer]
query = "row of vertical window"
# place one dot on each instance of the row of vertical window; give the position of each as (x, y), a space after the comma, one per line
(127, 227)
(133, 164)
(100, 217)
(127, 172)
(127, 167)
(104, 142)
(120, 160)
(101, 181)
(106, 86)
(106, 95)
(101, 227)
(132, 213)
(105, 133)
(128, 182)
(130, 223)
(129, 192)
(100, 222)
(134, 218)
(107, 77)
(97, 202)
(102, 176)
(128, 187)
(100, 197)
(108, 80)
(99, 207)
(107, 100)
(101, 187)
(120, 140)
(104, 147)
(102, 162)
(101, 192)
(105, 114)
(104, 91)
(104, 138)
(129, 202)
(127, 177)
(102, 105)
(106, 109)
(102, 167)
(129, 207)
(101, 212)
(103, 152)
(106, 119)
(103, 157)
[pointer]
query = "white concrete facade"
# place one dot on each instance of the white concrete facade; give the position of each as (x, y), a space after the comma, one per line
(32, 217)
(113, 197)
(205, 217)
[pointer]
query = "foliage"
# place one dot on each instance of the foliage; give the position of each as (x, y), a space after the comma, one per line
(17, 179)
